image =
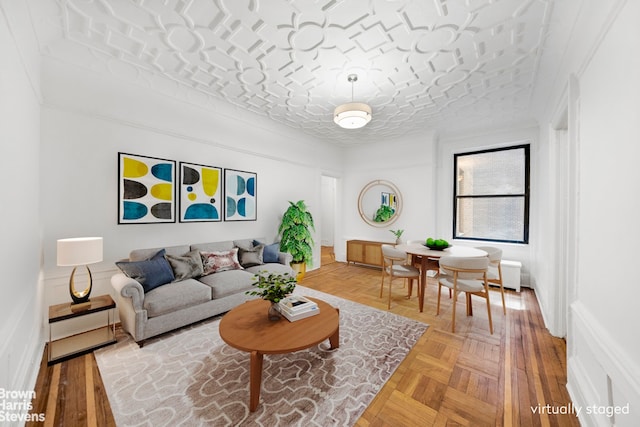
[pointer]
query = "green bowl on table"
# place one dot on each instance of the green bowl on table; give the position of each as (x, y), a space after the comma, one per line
(437, 244)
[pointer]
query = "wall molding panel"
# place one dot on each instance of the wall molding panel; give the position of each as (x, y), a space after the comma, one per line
(593, 346)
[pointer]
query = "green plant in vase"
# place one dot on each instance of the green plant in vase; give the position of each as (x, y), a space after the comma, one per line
(273, 287)
(398, 234)
(295, 229)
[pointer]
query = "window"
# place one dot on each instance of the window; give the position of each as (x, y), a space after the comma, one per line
(491, 195)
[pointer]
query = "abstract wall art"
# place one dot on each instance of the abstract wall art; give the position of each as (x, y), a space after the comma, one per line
(200, 193)
(240, 189)
(146, 189)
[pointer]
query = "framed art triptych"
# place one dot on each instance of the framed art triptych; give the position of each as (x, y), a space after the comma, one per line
(151, 190)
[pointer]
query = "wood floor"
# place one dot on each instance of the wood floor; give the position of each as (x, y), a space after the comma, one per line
(468, 378)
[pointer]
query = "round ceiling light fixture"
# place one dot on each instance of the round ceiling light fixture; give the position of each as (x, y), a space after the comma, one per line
(352, 115)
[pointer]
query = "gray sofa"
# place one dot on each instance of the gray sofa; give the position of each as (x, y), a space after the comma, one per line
(144, 314)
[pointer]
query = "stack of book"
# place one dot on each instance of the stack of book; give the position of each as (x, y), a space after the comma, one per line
(296, 307)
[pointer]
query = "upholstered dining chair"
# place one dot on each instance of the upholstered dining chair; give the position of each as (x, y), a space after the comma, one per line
(395, 264)
(494, 274)
(468, 275)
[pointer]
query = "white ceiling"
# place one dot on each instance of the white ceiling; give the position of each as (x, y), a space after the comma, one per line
(421, 64)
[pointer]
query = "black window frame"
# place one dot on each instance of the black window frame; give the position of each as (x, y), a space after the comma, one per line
(525, 195)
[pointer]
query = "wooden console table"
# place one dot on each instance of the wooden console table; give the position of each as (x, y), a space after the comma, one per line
(365, 252)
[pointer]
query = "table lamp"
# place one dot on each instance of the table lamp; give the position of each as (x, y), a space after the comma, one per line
(79, 251)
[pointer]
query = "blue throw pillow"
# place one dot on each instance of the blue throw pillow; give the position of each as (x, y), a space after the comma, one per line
(271, 253)
(151, 273)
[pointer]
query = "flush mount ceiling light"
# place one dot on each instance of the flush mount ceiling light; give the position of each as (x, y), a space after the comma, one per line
(353, 115)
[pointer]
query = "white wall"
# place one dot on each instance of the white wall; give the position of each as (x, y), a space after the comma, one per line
(87, 120)
(598, 86)
(410, 165)
(328, 211)
(449, 146)
(604, 349)
(421, 167)
(21, 305)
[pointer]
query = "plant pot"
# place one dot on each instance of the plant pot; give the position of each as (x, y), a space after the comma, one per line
(299, 269)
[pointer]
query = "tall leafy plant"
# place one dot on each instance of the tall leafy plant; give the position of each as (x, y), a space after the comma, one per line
(295, 228)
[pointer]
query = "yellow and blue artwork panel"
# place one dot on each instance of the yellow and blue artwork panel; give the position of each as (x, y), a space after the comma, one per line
(146, 189)
(200, 193)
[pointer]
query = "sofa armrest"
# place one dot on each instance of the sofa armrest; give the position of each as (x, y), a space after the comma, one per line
(285, 258)
(130, 301)
(129, 288)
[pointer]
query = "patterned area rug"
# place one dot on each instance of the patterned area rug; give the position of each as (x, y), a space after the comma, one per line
(190, 377)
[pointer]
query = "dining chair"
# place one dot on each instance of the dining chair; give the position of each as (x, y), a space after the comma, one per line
(395, 264)
(494, 273)
(468, 275)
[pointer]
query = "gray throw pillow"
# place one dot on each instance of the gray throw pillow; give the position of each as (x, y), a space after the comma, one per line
(186, 266)
(150, 273)
(251, 257)
(245, 243)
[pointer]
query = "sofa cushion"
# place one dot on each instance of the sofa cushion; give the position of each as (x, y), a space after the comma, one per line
(250, 257)
(213, 246)
(228, 282)
(244, 243)
(218, 261)
(176, 296)
(186, 266)
(150, 273)
(144, 254)
(271, 268)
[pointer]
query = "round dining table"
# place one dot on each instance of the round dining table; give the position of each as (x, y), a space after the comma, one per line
(429, 258)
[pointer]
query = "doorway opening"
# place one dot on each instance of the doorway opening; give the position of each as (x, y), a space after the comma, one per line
(328, 219)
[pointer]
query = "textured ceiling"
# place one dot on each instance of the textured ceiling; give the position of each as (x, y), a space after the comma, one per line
(421, 65)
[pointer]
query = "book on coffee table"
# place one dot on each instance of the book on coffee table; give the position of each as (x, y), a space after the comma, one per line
(296, 307)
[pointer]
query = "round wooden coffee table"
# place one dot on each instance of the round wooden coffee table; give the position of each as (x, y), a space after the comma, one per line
(247, 328)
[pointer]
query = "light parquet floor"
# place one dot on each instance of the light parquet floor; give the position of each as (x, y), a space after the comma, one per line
(467, 378)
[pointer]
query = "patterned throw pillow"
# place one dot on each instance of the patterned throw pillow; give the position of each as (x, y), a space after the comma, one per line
(215, 262)
(251, 257)
(186, 266)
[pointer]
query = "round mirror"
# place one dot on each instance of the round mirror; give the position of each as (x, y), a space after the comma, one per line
(380, 203)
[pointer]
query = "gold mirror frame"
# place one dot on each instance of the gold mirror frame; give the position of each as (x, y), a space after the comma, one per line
(367, 206)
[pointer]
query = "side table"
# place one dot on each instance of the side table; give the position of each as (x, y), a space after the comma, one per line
(85, 342)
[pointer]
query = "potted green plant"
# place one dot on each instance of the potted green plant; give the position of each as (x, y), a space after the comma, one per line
(273, 287)
(296, 239)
